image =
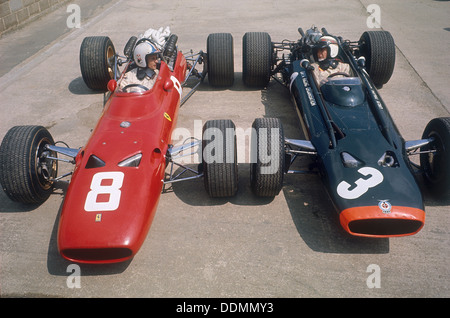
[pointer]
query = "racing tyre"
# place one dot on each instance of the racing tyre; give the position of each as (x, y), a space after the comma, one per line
(220, 168)
(436, 165)
(171, 46)
(378, 48)
(267, 157)
(220, 59)
(256, 59)
(25, 173)
(97, 56)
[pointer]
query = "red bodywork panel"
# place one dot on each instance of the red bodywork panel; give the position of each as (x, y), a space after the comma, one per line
(108, 209)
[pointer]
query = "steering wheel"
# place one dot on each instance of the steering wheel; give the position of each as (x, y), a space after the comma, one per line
(134, 85)
(339, 73)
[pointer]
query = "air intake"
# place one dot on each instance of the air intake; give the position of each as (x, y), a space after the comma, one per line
(384, 227)
(97, 255)
(94, 162)
(133, 161)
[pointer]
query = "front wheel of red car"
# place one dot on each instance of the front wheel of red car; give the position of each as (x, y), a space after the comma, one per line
(435, 159)
(26, 171)
(219, 157)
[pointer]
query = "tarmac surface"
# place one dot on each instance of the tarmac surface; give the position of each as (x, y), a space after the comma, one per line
(291, 246)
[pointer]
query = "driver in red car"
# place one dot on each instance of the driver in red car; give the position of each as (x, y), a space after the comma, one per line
(144, 75)
(325, 53)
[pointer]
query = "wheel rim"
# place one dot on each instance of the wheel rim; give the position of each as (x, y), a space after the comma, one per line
(109, 56)
(433, 159)
(45, 169)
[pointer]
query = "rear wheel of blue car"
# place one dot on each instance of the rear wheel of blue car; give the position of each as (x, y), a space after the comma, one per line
(435, 158)
(220, 60)
(97, 56)
(257, 63)
(219, 158)
(378, 48)
(267, 157)
(26, 171)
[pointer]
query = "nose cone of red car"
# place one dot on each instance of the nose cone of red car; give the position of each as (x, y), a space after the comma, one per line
(384, 220)
(107, 214)
(109, 222)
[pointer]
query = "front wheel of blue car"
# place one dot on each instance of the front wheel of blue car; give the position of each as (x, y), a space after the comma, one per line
(435, 158)
(267, 157)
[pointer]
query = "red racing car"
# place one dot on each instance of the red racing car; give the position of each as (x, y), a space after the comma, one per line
(119, 174)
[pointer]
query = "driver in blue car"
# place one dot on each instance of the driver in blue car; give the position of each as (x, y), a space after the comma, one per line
(327, 64)
(144, 76)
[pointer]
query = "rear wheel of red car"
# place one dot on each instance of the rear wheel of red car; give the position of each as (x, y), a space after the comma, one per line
(97, 61)
(220, 59)
(256, 59)
(267, 157)
(378, 48)
(436, 164)
(25, 171)
(219, 149)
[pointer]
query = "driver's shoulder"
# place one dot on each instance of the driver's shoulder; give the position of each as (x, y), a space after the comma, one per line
(132, 72)
(130, 76)
(343, 66)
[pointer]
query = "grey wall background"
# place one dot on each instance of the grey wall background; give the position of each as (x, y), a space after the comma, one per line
(15, 13)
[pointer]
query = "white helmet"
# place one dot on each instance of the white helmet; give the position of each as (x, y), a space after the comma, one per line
(330, 43)
(143, 48)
